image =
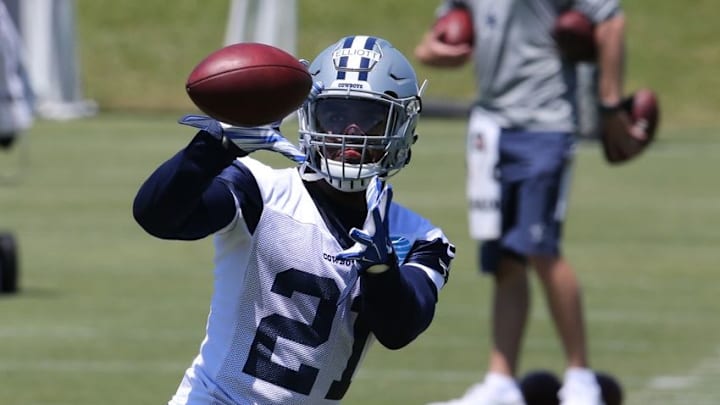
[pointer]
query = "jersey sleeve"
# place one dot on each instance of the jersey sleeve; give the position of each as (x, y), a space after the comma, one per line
(599, 10)
(448, 5)
(430, 250)
(242, 183)
(400, 303)
(185, 198)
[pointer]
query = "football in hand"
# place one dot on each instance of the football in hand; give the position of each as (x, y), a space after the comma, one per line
(249, 84)
(574, 34)
(644, 109)
(455, 27)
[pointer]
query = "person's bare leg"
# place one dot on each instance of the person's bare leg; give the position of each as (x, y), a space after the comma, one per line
(563, 295)
(511, 302)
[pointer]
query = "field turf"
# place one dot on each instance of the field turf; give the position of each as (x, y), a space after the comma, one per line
(109, 315)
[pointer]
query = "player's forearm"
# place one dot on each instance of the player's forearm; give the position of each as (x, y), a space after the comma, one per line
(398, 304)
(611, 43)
(173, 201)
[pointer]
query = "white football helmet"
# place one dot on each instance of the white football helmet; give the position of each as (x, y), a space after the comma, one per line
(362, 122)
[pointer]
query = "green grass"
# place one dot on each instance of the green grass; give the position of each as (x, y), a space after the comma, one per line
(109, 315)
(136, 55)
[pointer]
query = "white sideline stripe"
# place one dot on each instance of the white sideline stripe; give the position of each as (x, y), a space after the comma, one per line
(684, 149)
(117, 366)
(54, 332)
(413, 375)
(429, 342)
(671, 382)
(697, 387)
(50, 332)
(82, 332)
(691, 388)
(95, 366)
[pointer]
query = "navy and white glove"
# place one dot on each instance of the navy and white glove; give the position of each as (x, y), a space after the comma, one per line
(247, 139)
(315, 90)
(373, 250)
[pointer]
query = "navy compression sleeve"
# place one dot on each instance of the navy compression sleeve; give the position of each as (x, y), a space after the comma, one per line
(399, 304)
(182, 199)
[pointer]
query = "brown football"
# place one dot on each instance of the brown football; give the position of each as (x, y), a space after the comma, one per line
(574, 34)
(249, 84)
(644, 109)
(455, 27)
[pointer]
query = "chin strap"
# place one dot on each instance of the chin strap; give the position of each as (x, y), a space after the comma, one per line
(308, 174)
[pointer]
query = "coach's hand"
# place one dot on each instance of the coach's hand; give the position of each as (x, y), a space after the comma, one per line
(621, 139)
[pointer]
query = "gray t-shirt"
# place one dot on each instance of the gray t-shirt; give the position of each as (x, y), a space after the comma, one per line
(521, 79)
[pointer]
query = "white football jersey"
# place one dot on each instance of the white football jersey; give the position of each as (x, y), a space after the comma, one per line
(277, 332)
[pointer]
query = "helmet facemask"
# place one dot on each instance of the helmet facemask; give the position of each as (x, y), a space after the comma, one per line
(351, 132)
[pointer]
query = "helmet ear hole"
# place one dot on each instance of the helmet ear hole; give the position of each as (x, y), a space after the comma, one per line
(409, 155)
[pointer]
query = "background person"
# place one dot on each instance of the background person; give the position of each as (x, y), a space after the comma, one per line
(521, 137)
(16, 95)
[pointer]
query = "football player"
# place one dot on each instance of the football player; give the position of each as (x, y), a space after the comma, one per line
(315, 262)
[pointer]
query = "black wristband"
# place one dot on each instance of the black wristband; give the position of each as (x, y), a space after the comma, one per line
(610, 108)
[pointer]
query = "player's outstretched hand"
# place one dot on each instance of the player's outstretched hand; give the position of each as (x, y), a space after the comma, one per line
(373, 249)
(315, 90)
(248, 139)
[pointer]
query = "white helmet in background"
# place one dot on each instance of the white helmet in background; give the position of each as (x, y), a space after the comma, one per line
(362, 123)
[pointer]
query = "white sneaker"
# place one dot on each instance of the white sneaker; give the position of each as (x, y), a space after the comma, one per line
(495, 390)
(580, 387)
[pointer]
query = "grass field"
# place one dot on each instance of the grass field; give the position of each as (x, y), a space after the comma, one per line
(136, 55)
(109, 315)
